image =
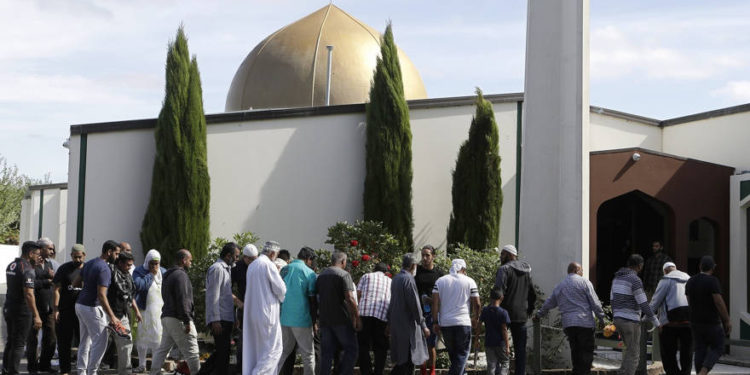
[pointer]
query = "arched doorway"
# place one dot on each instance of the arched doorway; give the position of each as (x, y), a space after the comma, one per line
(628, 224)
(701, 241)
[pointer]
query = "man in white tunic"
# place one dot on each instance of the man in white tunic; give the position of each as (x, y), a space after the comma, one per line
(262, 344)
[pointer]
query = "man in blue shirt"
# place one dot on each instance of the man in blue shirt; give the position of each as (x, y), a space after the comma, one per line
(299, 310)
(577, 301)
(496, 344)
(92, 309)
(220, 308)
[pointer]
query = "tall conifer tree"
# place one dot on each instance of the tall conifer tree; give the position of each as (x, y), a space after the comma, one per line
(387, 196)
(177, 214)
(477, 189)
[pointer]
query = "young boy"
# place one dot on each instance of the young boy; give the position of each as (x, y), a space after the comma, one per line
(496, 343)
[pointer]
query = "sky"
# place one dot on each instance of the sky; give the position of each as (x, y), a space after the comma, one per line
(68, 62)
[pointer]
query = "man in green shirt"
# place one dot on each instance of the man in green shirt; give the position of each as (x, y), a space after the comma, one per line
(299, 310)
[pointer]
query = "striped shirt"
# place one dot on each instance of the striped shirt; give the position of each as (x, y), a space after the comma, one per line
(577, 301)
(376, 295)
(628, 298)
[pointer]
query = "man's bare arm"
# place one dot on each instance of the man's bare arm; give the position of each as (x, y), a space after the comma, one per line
(101, 292)
(56, 302)
(723, 313)
(31, 301)
(351, 305)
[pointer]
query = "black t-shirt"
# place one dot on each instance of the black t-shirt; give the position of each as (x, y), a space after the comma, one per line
(239, 277)
(44, 291)
(332, 286)
(19, 276)
(700, 290)
(494, 317)
(68, 293)
(426, 279)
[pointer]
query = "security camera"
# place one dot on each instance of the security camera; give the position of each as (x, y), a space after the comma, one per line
(636, 156)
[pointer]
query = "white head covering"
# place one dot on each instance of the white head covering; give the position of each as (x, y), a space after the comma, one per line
(457, 265)
(510, 249)
(152, 254)
(250, 250)
(668, 264)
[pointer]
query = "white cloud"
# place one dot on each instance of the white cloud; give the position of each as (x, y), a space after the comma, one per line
(734, 90)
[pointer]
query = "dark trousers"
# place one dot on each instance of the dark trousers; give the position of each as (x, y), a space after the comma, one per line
(48, 345)
(372, 336)
(709, 345)
(334, 337)
(218, 362)
(19, 326)
(672, 339)
(288, 367)
(67, 331)
(518, 331)
(406, 368)
(581, 341)
(457, 343)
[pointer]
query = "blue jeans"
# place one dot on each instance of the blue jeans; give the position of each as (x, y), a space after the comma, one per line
(458, 343)
(518, 331)
(709, 345)
(334, 338)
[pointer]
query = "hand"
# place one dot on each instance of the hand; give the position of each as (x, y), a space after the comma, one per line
(138, 316)
(426, 332)
(187, 327)
(357, 324)
(507, 350)
(315, 328)
(56, 314)
(237, 302)
(727, 327)
(216, 328)
(436, 328)
(37, 322)
(475, 324)
(51, 273)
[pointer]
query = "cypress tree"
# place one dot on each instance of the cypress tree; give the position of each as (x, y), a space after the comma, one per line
(387, 196)
(177, 214)
(477, 189)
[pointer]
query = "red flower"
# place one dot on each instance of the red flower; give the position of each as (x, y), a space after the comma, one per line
(355, 263)
(354, 242)
(365, 258)
(389, 275)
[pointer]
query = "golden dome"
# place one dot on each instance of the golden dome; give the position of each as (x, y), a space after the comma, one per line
(288, 68)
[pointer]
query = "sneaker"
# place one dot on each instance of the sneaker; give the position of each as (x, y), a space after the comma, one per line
(119, 330)
(139, 370)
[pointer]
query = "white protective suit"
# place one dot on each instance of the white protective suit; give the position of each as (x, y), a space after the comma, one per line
(261, 341)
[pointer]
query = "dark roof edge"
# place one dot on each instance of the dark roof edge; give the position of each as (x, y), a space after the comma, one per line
(707, 115)
(218, 118)
(61, 186)
(625, 116)
(657, 153)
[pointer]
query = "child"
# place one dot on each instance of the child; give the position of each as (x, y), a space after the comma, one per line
(496, 343)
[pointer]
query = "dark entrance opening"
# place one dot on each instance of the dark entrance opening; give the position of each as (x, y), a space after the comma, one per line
(702, 241)
(628, 224)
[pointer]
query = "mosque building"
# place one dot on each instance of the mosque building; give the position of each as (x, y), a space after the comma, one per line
(286, 166)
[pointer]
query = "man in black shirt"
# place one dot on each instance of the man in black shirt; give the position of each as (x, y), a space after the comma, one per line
(43, 293)
(426, 276)
(20, 305)
(177, 316)
(706, 308)
(64, 308)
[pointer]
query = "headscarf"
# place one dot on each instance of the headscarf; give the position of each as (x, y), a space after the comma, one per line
(153, 254)
(457, 265)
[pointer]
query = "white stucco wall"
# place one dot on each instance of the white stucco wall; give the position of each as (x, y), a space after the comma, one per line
(53, 217)
(285, 179)
(738, 253)
(722, 140)
(611, 133)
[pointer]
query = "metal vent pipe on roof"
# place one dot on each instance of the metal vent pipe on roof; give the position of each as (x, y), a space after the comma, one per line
(328, 75)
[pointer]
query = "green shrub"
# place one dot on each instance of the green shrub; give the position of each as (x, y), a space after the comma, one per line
(366, 243)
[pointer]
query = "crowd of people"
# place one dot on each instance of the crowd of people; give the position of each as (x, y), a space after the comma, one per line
(282, 307)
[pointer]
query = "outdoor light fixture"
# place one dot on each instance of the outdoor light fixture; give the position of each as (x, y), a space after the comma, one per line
(66, 143)
(636, 156)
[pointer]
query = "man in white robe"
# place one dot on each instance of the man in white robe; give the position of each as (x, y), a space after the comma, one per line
(261, 341)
